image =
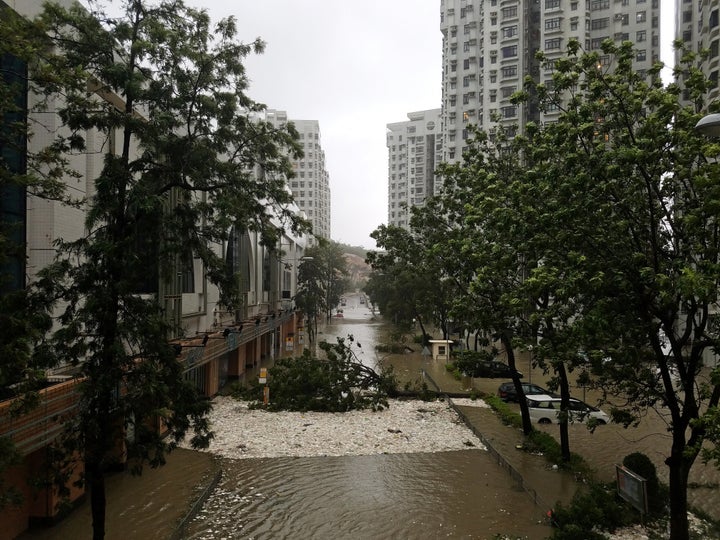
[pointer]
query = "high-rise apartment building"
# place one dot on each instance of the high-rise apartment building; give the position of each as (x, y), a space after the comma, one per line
(414, 150)
(311, 185)
(489, 47)
(697, 24)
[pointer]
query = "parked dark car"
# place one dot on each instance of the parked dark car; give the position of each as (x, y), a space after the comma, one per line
(491, 369)
(506, 391)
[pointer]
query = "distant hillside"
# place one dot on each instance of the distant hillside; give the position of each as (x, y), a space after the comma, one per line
(359, 251)
(357, 268)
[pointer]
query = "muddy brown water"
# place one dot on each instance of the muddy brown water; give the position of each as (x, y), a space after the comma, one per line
(425, 496)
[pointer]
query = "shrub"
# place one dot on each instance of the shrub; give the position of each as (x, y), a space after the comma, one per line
(640, 464)
(506, 414)
(591, 511)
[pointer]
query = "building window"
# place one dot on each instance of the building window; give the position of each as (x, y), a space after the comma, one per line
(640, 35)
(510, 31)
(553, 24)
(509, 71)
(598, 24)
(552, 4)
(640, 17)
(509, 112)
(509, 52)
(597, 5)
(508, 12)
(552, 44)
(641, 55)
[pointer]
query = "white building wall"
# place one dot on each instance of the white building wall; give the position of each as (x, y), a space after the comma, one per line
(697, 24)
(489, 47)
(414, 150)
(311, 185)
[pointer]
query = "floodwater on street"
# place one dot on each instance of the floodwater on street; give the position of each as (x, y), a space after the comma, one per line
(463, 495)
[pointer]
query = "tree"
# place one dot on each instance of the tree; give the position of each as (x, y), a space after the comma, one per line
(486, 246)
(165, 92)
(322, 279)
(407, 283)
(634, 214)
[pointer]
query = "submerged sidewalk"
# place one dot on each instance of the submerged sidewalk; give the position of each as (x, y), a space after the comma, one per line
(532, 473)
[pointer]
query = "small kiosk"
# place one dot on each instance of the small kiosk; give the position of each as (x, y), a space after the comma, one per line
(440, 349)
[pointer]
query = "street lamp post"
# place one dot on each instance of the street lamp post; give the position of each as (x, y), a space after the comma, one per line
(709, 125)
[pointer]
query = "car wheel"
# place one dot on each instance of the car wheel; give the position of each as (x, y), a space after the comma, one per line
(544, 421)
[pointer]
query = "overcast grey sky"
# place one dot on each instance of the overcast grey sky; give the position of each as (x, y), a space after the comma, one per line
(354, 67)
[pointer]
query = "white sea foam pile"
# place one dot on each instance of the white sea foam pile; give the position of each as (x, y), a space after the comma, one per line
(404, 427)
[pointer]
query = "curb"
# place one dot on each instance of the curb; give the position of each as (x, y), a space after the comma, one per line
(179, 531)
(500, 459)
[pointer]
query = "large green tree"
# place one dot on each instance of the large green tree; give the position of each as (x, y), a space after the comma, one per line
(322, 279)
(407, 282)
(163, 89)
(631, 223)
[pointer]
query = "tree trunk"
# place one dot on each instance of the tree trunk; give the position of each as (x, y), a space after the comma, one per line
(678, 474)
(565, 408)
(524, 413)
(97, 498)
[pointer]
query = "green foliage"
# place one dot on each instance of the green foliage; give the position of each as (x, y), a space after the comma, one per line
(471, 362)
(406, 286)
(591, 512)
(337, 383)
(454, 371)
(178, 180)
(322, 280)
(642, 465)
(507, 415)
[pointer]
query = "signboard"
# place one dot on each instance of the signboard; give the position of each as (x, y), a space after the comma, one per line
(263, 376)
(289, 343)
(632, 487)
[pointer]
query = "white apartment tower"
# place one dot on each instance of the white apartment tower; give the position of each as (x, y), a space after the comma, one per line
(489, 47)
(414, 151)
(311, 185)
(697, 24)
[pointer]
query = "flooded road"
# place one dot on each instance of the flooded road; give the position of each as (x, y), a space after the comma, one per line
(462, 495)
